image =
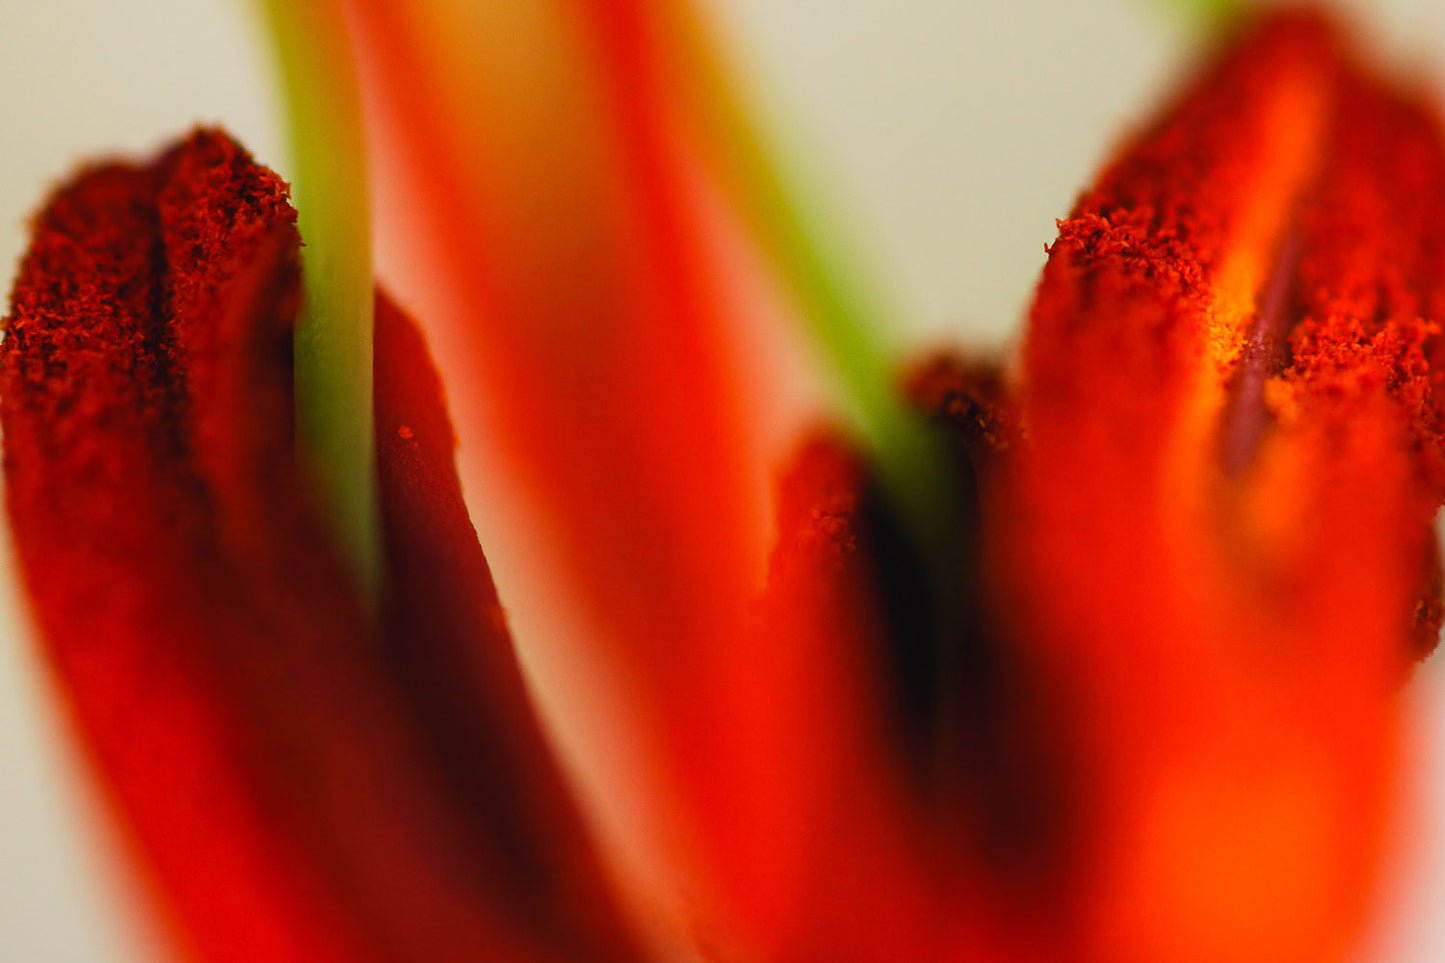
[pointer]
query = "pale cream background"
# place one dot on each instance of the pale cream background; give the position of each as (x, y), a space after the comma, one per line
(954, 133)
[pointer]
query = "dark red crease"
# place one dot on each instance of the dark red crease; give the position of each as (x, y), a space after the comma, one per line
(299, 785)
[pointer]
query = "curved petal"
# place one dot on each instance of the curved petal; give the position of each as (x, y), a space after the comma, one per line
(575, 300)
(567, 240)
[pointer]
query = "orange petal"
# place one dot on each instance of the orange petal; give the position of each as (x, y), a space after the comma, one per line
(575, 312)
(564, 254)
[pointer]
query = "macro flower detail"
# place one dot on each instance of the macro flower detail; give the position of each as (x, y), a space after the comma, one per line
(1232, 392)
(304, 786)
(1142, 706)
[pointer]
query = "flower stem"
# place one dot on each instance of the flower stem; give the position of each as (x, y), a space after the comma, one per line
(334, 331)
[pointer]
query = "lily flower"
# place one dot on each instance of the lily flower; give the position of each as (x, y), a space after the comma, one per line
(1093, 657)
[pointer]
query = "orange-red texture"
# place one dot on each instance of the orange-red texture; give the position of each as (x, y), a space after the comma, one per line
(1195, 559)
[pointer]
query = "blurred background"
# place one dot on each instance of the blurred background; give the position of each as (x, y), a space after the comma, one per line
(951, 134)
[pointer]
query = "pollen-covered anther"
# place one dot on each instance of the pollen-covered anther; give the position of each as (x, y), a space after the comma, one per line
(1232, 393)
(302, 779)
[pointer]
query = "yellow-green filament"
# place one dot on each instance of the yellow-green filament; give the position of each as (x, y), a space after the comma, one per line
(334, 331)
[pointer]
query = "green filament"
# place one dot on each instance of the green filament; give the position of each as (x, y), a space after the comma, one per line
(334, 332)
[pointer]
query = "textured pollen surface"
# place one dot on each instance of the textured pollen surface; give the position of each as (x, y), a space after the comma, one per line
(1232, 398)
(300, 784)
(1263, 263)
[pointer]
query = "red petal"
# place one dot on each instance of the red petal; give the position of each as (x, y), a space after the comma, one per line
(553, 225)
(576, 315)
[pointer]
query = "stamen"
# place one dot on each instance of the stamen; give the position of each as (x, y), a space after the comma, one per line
(334, 330)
